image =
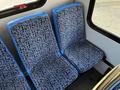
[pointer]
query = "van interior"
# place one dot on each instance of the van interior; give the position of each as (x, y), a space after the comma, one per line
(60, 45)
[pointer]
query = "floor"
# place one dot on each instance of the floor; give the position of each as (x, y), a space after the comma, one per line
(87, 81)
(106, 15)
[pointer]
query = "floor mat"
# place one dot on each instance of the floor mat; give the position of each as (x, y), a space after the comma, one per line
(87, 81)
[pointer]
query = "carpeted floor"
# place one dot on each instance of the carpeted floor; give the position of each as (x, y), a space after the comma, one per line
(86, 81)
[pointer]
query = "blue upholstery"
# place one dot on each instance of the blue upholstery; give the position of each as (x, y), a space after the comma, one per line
(115, 86)
(70, 33)
(11, 78)
(37, 48)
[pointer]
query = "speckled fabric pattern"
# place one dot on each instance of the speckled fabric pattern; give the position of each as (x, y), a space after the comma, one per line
(70, 32)
(84, 55)
(34, 39)
(37, 47)
(116, 87)
(71, 26)
(53, 73)
(11, 77)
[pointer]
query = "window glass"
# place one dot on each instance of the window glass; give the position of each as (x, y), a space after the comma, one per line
(106, 15)
(12, 7)
(5, 4)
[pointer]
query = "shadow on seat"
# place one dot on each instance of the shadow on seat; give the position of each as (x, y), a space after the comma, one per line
(70, 34)
(38, 50)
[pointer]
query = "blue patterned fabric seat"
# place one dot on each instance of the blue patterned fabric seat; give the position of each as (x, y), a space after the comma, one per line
(70, 33)
(37, 48)
(11, 78)
(115, 86)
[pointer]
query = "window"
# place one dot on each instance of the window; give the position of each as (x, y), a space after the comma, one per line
(102, 25)
(11, 7)
(106, 15)
(5, 4)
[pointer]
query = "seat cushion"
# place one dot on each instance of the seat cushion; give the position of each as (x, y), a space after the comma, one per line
(11, 78)
(53, 73)
(115, 86)
(84, 54)
(13, 83)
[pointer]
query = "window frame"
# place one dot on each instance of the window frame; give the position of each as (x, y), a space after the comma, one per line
(17, 9)
(97, 28)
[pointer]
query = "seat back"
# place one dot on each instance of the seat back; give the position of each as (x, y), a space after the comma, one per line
(69, 24)
(10, 75)
(33, 38)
